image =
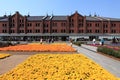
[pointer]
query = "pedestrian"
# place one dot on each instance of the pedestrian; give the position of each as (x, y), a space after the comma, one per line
(94, 41)
(114, 40)
(41, 41)
(70, 42)
(52, 40)
(102, 42)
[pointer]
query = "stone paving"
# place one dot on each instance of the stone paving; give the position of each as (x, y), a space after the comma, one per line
(10, 62)
(113, 66)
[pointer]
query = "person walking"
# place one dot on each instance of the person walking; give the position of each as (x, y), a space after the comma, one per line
(71, 41)
(41, 41)
(102, 42)
(94, 41)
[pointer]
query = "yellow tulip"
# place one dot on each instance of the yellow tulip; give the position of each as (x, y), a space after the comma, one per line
(58, 67)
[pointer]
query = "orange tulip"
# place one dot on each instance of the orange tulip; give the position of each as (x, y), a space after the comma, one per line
(40, 47)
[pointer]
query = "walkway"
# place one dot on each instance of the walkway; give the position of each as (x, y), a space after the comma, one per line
(113, 66)
(9, 63)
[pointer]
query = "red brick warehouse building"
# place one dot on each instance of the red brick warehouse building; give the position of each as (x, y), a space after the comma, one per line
(19, 27)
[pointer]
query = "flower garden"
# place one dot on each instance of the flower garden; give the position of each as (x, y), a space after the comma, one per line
(40, 47)
(49, 66)
(4, 55)
(58, 67)
(107, 46)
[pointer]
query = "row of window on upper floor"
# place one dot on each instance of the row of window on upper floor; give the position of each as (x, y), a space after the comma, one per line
(21, 21)
(54, 24)
(79, 20)
(98, 25)
(37, 24)
(62, 24)
(79, 25)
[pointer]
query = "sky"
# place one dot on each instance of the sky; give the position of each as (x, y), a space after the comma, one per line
(106, 8)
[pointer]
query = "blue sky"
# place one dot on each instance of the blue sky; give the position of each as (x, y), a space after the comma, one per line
(107, 8)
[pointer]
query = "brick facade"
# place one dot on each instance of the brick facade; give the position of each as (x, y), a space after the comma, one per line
(73, 24)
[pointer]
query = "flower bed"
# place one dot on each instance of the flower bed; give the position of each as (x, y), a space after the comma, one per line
(107, 46)
(109, 51)
(58, 67)
(40, 47)
(113, 47)
(4, 55)
(96, 45)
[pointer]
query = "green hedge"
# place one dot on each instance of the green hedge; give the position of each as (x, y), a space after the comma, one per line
(109, 51)
(78, 43)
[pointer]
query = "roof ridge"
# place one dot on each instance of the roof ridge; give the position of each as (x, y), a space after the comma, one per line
(35, 16)
(98, 18)
(51, 16)
(92, 18)
(106, 19)
(44, 17)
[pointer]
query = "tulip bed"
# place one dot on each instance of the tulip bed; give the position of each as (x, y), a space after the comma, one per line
(107, 46)
(40, 47)
(4, 55)
(112, 47)
(58, 67)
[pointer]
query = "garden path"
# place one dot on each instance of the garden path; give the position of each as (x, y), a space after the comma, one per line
(10, 62)
(113, 66)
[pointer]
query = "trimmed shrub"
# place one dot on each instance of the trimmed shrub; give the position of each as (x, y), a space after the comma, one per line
(78, 43)
(109, 51)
